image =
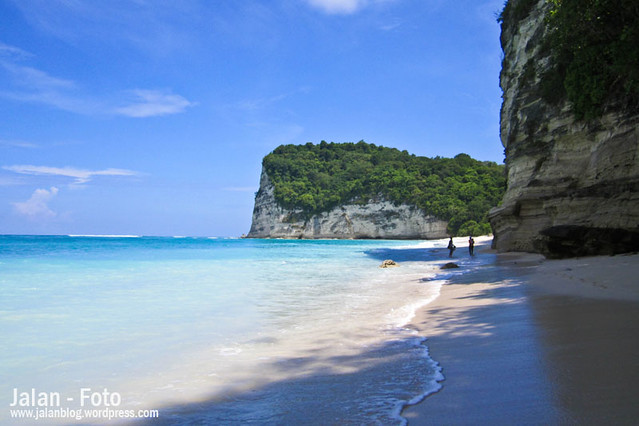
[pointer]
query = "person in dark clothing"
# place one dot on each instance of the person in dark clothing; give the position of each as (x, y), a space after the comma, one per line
(451, 247)
(471, 245)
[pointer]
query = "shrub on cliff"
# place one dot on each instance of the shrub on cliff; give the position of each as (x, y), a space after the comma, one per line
(317, 178)
(595, 55)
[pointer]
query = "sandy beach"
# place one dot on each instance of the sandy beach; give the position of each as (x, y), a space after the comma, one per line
(535, 341)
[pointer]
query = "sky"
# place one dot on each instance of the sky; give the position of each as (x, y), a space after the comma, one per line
(151, 117)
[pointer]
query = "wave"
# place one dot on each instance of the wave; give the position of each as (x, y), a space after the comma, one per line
(103, 236)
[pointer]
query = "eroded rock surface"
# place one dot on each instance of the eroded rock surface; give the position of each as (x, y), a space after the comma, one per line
(376, 219)
(573, 187)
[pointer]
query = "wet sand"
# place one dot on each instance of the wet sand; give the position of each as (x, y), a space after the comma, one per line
(532, 341)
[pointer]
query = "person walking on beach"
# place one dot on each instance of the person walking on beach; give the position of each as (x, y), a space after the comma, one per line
(451, 247)
(471, 245)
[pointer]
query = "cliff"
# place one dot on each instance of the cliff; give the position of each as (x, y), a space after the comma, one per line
(376, 219)
(573, 185)
(361, 190)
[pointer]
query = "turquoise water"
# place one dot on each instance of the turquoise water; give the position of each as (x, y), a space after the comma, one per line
(219, 330)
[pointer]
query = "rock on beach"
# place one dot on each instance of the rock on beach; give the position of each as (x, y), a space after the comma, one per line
(389, 264)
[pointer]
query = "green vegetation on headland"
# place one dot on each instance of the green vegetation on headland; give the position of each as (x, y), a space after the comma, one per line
(316, 178)
(594, 51)
(595, 54)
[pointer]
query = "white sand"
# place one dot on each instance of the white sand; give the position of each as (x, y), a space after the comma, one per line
(536, 342)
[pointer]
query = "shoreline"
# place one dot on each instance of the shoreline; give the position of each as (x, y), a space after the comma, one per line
(532, 341)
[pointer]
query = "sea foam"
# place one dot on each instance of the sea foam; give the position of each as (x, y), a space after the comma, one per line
(174, 322)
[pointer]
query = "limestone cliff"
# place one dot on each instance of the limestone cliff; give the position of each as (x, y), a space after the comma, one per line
(376, 219)
(573, 186)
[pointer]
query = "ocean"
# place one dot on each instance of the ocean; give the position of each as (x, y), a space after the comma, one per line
(217, 331)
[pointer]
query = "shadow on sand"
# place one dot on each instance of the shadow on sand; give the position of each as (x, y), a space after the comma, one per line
(367, 388)
(524, 359)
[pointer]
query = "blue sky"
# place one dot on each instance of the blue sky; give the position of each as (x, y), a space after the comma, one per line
(151, 117)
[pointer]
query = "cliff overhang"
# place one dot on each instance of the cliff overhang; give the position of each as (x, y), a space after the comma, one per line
(572, 184)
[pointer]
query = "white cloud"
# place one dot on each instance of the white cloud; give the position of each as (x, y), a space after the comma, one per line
(36, 86)
(35, 78)
(390, 26)
(33, 85)
(263, 103)
(260, 103)
(80, 175)
(17, 144)
(37, 206)
(151, 103)
(338, 6)
(12, 51)
(153, 27)
(344, 7)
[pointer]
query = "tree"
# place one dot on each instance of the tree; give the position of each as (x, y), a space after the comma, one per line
(317, 178)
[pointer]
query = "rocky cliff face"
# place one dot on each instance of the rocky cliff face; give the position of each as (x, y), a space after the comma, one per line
(573, 187)
(379, 219)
